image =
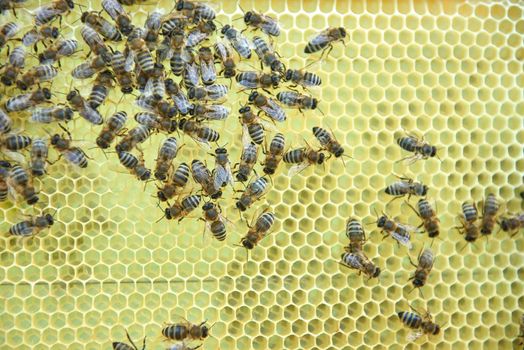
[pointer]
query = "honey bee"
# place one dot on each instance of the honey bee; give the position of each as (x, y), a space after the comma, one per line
(25, 101)
(123, 76)
(122, 19)
(100, 90)
(512, 224)
(5, 122)
(303, 157)
(96, 44)
(420, 148)
(72, 154)
(208, 112)
(207, 93)
(225, 55)
(124, 346)
(166, 154)
(39, 153)
(490, 208)
(296, 100)
(399, 232)
(265, 23)
(155, 84)
(420, 325)
(253, 127)
(190, 74)
(160, 107)
(86, 70)
(14, 142)
(328, 141)
(101, 25)
(134, 165)
(78, 103)
(425, 264)
(137, 135)
(174, 46)
(20, 181)
(48, 13)
(428, 216)
(6, 5)
(214, 220)
(237, 40)
(202, 175)
(199, 133)
(207, 66)
(181, 209)
(32, 226)
(359, 261)
(325, 40)
(254, 191)
(468, 222)
(40, 33)
(173, 22)
(302, 78)
(222, 174)
(155, 122)
(248, 159)
(5, 167)
(356, 235)
(179, 98)
(268, 56)
(200, 32)
(142, 55)
(112, 129)
(268, 105)
(258, 231)
(36, 75)
(54, 53)
(195, 10)
(152, 26)
(12, 69)
(275, 154)
(255, 80)
(406, 186)
(7, 32)
(175, 183)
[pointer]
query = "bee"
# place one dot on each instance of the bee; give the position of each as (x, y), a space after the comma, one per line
(295, 100)
(13, 142)
(252, 126)
(152, 26)
(468, 222)
(33, 226)
(268, 105)
(20, 181)
(190, 74)
(174, 47)
(356, 235)
(160, 107)
(36, 75)
(490, 208)
(135, 165)
(254, 80)
(425, 264)
(237, 40)
(166, 154)
(359, 261)
(12, 69)
(225, 55)
(248, 159)
(200, 33)
(181, 209)
(62, 48)
(78, 103)
(123, 76)
(428, 216)
(173, 22)
(72, 154)
(214, 220)
(419, 324)
(124, 346)
(267, 24)
(155, 85)
(275, 154)
(207, 93)
(301, 158)
(207, 66)
(195, 10)
(115, 10)
(41, 33)
(86, 70)
(101, 25)
(4, 175)
(259, 231)
(406, 186)
(209, 112)
(175, 183)
(10, 5)
(5, 122)
(420, 148)
(100, 90)
(254, 191)
(268, 57)
(25, 101)
(112, 129)
(399, 232)
(512, 224)
(325, 39)
(179, 98)
(96, 44)
(222, 174)
(7, 32)
(142, 55)
(48, 13)
(302, 78)
(39, 153)
(202, 175)
(137, 135)
(328, 141)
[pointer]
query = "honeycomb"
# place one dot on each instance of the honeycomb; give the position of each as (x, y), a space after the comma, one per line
(449, 70)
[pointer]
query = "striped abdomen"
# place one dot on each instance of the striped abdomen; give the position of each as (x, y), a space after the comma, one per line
(219, 230)
(470, 212)
(408, 143)
(175, 332)
(410, 319)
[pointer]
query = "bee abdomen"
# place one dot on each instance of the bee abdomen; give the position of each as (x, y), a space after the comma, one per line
(294, 156)
(256, 132)
(312, 79)
(311, 48)
(97, 96)
(17, 142)
(410, 319)
(128, 160)
(219, 230)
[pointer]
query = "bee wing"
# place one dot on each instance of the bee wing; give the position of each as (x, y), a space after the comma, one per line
(298, 168)
(45, 12)
(408, 228)
(276, 111)
(208, 72)
(319, 38)
(414, 335)
(17, 157)
(220, 177)
(404, 240)
(130, 61)
(113, 8)
(268, 24)
(267, 125)
(246, 140)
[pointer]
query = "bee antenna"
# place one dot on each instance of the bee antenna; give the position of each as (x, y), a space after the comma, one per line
(464, 247)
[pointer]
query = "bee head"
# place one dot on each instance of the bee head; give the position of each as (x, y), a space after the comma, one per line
(54, 32)
(180, 5)
(418, 281)
(167, 213)
(8, 82)
(172, 125)
(83, 17)
(145, 175)
(247, 244)
(436, 329)
(4, 164)
(241, 177)
(314, 103)
(182, 122)
(240, 206)
(55, 139)
(504, 224)
(424, 190)
(342, 32)
(268, 171)
(429, 150)
(32, 198)
(247, 17)
(376, 272)
(275, 80)
(276, 66)
(216, 195)
(205, 331)
(207, 206)
(225, 29)
(253, 96)
(71, 95)
(244, 109)
(382, 221)
(68, 114)
(321, 158)
(220, 150)
(47, 93)
(171, 112)
(339, 152)
(71, 4)
(212, 25)
(49, 218)
(191, 93)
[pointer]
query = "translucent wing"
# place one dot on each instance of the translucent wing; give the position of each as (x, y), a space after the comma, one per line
(74, 156)
(17, 157)
(130, 61)
(246, 139)
(353, 262)
(414, 335)
(404, 240)
(298, 168)
(208, 72)
(321, 38)
(113, 8)
(45, 12)
(216, 112)
(277, 110)
(223, 176)
(408, 228)
(195, 37)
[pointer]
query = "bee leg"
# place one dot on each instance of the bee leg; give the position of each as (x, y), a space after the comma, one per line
(411, 262)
